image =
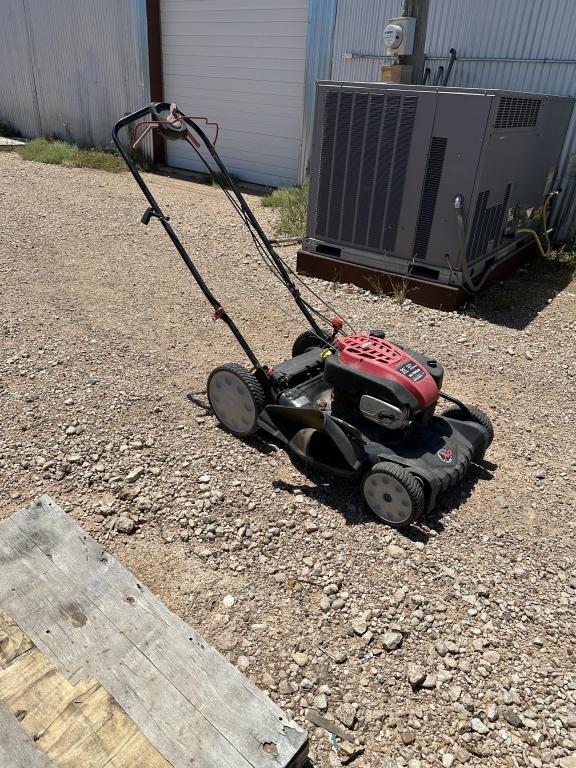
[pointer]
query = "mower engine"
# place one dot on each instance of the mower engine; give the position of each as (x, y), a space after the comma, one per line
(385, 383)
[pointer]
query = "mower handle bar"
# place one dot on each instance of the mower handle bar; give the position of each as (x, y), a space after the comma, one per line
(169, 129)
(154, 210)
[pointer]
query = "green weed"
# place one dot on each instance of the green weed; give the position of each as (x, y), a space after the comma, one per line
(292, 206)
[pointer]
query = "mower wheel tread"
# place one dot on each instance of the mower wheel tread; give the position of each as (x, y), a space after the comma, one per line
(477, 415)
(252, 385)
(307, 340)
(410, 484)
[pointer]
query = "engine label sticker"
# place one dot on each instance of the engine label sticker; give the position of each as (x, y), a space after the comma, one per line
(446, 455)
(412, 370)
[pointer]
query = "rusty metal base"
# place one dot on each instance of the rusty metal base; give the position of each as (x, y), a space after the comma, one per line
(434, 295)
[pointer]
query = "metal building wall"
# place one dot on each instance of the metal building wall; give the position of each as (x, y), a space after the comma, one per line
(485, 29)
(71, 68)
(359, 32)
(319, 50)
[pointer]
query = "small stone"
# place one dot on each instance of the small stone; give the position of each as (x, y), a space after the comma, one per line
(491, 657)
(461, 754)
(511, 717)
(347, 751)
(340, 657)
(359, 625)
(478, 726)
(441, 649)
(228, 601)
(408, 737)
(454, 693)
(125, 525)
(447, 760)
(346, 713)
(310, 527)
(392, 640)
(300, 658)
(243, 663)
(430, 682)
(320, 702)
(492, 712)
(204, 479)
(416, 675)
(396, 551)
(568, 762)
(325, 604)
(134, 474)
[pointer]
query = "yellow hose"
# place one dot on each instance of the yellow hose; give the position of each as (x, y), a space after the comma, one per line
(535, 234)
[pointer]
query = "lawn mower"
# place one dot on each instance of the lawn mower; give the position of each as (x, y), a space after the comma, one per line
(352, 404)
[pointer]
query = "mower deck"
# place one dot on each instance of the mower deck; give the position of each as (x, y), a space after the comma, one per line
(438, 453)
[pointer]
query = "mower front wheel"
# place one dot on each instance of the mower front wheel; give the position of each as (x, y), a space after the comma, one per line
(308, 340)
(236, 397)
(393, 494)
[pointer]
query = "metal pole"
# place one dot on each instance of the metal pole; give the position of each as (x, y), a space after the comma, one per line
(419, 10)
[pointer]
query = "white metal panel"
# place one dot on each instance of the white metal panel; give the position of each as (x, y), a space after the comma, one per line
(240, 62)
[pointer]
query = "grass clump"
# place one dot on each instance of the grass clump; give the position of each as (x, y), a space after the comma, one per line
(292, 206)
(57, 152)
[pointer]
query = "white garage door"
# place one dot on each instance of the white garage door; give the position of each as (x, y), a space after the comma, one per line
(241, 62)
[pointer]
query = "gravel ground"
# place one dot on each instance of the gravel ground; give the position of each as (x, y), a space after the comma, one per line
(448, 644)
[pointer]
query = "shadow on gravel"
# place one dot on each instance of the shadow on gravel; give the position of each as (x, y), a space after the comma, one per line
(343, 495)
(516, 301)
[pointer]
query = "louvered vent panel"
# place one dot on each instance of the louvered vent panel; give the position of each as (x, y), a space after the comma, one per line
(487, 225)
(515, 112)
(429, 196)
(364, 154)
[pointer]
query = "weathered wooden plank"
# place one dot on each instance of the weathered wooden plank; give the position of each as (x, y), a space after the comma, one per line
(103, 624)
(17, 750)
(75, 725)
(13, 642)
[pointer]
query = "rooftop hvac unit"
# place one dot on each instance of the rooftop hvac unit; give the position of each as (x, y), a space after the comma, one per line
(432, 183)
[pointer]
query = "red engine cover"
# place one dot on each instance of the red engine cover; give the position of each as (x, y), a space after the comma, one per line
(378, 357)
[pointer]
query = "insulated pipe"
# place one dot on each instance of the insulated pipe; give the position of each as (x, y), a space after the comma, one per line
(467, 279)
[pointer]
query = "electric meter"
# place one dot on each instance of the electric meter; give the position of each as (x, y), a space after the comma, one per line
(399, 36)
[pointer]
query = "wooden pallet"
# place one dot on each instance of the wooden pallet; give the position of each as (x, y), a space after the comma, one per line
(95, 671)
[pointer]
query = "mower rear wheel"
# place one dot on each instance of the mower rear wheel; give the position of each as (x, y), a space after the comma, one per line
(306, 341)
(236, 397)
(393, 494)
(476, 415)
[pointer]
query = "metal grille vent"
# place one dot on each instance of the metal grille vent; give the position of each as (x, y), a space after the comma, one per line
(364, 153)
(486, 225)
(429, 196)
(514, 112)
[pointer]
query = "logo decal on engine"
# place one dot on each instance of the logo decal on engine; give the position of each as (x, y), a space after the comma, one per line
(446, 455)
(412, 370)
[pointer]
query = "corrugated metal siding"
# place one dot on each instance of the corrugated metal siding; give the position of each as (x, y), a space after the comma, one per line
(359, 30)
(479, 28)
(319, 49)
(71, 68)
(242, 63)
